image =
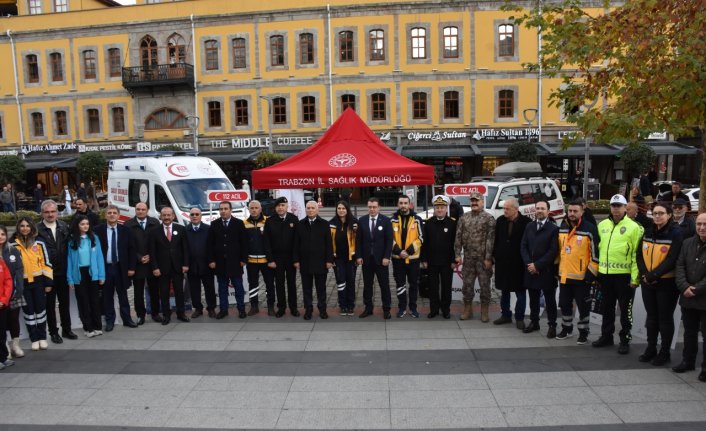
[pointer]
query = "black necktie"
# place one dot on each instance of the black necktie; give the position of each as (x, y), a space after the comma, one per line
(539, 225)
(372, 229)
(113, 246)
(142, 224)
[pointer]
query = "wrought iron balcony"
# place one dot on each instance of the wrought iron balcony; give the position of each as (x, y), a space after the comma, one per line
(159, 75)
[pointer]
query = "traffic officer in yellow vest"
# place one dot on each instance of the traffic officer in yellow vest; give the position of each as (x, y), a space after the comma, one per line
(406, 246)
(578, 267)
(618, 273)
(257, 260)
(475, 236)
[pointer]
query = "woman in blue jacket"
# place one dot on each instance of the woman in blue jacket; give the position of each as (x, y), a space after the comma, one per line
(85, 272)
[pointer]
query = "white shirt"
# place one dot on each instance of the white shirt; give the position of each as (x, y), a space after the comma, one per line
(52, 228)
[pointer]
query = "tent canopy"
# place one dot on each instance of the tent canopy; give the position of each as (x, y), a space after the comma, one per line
(349, 154)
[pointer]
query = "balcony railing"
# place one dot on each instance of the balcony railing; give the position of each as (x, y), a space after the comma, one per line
(176, 74)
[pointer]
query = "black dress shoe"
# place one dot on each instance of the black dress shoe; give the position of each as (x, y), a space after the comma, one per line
(323, 314)
(387, 315)
(702, 376)
(684, 367)
(366, 313)
(182, 318)
(279, 313)
(624, 348)
(603, 342)
(447, 315)
(212, 314)
(165, 320)
(157, 318)
(140, 321)
(648, 355)
(294, 313)
(196, 314)
(109, 327)
(69, 334)
(253, 311)
(56, 339)
(242, 314)
(130, 324)
(432, 314)
(307, 315)
(533, 326)
(271, 311)
(222, 314)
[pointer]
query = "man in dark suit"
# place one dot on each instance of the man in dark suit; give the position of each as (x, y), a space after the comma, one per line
(374, 246)
(227, 255)
(279, 242)
(55, 234)
(199, 272)
(539, 249)
(169, 250)
(438, 256)
(119, 254)
(139, 226)
(313, 256)
(82, 209)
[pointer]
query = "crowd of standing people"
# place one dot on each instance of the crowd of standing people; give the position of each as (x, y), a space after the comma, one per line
(43, 262)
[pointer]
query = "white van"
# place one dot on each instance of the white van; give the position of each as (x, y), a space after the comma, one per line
(180, 182)
(496, 190)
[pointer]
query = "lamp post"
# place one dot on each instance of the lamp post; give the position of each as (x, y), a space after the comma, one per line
(529, 114)
(269, 121)
(193, 121)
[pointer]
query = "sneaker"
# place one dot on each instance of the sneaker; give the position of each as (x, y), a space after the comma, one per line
(401, 313)
(8, 363)
(564, 334)
(2, 366)
(583, 338)
(98, 332)
(414, 314)
(35, 345)
(90, 334)
(43, 345)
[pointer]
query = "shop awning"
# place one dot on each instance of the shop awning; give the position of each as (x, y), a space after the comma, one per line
(64, 163)
(438, 151)
(671, 147)
(231, 157)
(659, 147)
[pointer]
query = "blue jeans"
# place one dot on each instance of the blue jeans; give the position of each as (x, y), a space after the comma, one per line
(520, 305)
(237, 282)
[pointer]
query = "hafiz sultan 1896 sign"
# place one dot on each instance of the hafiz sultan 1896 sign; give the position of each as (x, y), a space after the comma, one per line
(506, 135)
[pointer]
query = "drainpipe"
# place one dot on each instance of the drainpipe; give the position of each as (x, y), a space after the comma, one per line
(539, 77)
(196, 91)
(330, 77)
(17, 89)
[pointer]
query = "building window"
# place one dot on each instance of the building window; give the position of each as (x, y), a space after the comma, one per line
(37, 124)
(345, 46)
(118, 120)
(211, 54)
(35, 7)
(379, 108)
(239, 53)
(506, 103)
(62, 128)
(419, 47)
(32, 69)
(279, 110)
(114, 62)
(377, 45)
(166, 118)
(89, 64)
(506, 40)
(450, 42)
(94, 121)
(61, 5)
(419, 105)
(241, 112)
(308, 109)
(277, 50)
(57, 68)
(148, 52)
(306, 48)
(214, 114)
(451, 104)
(176, 49)
(347, 101)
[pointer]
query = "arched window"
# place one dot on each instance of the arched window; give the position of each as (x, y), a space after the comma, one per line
(148, 52)
(345, 46)
(450, 42)
(419, 105)
(451, 104)
(506, 40)
(347, 101)
(306, 48)
(506, 104)
(176, 49)
(308, 109)
(377, 44)
(166, 118)
(279, 110)
(379, 105)
(419, 45)
(277, 50)
(211, 54)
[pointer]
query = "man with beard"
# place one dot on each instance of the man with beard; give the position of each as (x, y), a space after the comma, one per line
(406, 245)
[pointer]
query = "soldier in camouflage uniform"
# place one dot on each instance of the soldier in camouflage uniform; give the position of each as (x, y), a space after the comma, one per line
(475, 235)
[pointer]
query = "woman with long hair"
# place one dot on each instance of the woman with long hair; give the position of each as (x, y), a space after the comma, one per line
(85, 272)
(38, 280)
(5, 294)
(343, 230)
(12, 258)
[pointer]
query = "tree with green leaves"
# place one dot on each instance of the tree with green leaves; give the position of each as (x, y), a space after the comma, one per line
(637, 159)
(522, 151)
(91, 166)
(642, 61)
(12, 169)
(267, 158)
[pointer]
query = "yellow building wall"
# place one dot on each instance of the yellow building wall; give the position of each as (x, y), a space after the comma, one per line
(485, 42)
(11, 133)
(434, 104)
(7, 79)
(486, 93)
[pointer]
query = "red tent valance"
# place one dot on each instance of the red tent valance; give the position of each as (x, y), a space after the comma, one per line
(349, 154)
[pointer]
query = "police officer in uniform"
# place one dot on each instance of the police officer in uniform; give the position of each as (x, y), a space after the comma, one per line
(475, 236)
(438, 256)
(279, 247)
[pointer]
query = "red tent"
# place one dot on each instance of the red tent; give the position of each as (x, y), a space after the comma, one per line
(349, 154)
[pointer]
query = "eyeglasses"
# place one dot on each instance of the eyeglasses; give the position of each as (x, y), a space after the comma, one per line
(475, 200)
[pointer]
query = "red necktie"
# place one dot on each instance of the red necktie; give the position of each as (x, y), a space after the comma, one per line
(169, 233)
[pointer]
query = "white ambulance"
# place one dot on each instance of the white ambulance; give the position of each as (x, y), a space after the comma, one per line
(180, 182)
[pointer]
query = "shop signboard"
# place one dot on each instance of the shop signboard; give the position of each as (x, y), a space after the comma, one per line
(506, 135)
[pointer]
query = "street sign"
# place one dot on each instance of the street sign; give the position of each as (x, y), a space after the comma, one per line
(464, 189)
(215, 196)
